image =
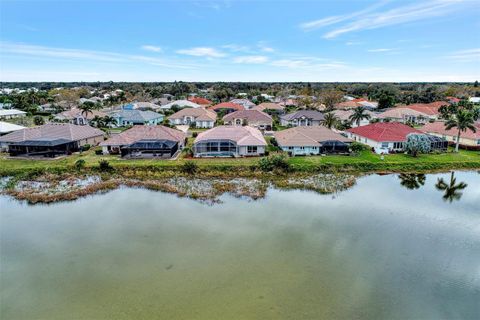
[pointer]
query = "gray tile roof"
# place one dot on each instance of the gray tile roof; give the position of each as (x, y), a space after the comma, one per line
(53, 131)
(137, 115)
(310, 114)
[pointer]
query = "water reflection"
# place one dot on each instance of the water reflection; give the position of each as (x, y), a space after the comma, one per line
(412, 181)
(451, 189)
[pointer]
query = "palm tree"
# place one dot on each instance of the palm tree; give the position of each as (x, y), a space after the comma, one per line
(97, 121)
(330, 120)
(412, 181)
(462, 120)
(108, 122)
(358, 115)
(452, 189)
(87, 107)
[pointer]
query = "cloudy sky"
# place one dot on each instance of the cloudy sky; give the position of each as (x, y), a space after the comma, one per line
(380, 40)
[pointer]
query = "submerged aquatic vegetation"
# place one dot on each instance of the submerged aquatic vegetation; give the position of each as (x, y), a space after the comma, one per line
(52, 187)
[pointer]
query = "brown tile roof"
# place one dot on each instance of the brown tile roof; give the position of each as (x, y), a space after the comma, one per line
(439, 128)
(428, 108)
(243, 136)
(144, 132)
(226, 105)
(197, 113)
(74, 112)
(200, 101)
(307, 136)
(268, 106)
(53, 131)
(249, 115)
(401, 112)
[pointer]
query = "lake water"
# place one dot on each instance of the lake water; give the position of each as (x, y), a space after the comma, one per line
(376, 251)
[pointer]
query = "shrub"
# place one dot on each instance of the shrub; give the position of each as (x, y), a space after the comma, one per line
(38, 120)
(274, 162)
(188, 151)
(104, 165)
(417, 143)
(357, 147)
(195, 134)
(98, 152)
(79, 164)
(189, 167)
(86, 147)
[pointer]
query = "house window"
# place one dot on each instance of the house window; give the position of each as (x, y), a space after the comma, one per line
(251, 149)
(238, 122)
(302, 148)
(478, 141)
(384, 144)
(397, 145)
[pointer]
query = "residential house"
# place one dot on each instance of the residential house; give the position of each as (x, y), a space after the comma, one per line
(136, 117)
(474, 99)
(11, 113)
(229, 141)
(405, 115)
(384, 137)
(201, 101)
(141, 106)
(77, 117)
(145, 142)
(311, 141)
(6, 127)
(270, 107)
(431, 109)
(252, 118)
(344, 115)
(226, 107)
(468, 139)
(302, 118)
(180, 104)
(50, 140)
(247, 104)
(356, 103)
(201, 117)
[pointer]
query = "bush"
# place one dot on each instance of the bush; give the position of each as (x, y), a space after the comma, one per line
(98, 152)
(189, 167)
(357, 147)
(104, 165)
(195, 134)
(79, 164)
(417, 143)
(38, 120)
(188, 151)
(274, 162)
(86, 147)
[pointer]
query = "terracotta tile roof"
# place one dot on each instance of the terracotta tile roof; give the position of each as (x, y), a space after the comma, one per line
(243, 136)
(140, 132)
(268, 106)
(200, 101)
(249, 115)
(401, 112)
(226, 105)
(345, 114)
(439, 128)
(428, 108)
(53, 131)
(197, 113)
(384, 131)
(307, 136)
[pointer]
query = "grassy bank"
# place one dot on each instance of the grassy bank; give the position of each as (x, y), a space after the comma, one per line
(363, 162)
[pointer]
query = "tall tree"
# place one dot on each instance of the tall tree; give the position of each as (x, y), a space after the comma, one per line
(87, 107)
(461, 116)
(330, 120)
(358, 115)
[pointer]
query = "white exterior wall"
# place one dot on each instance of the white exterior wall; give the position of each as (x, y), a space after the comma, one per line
(453, 139)
(242, 151)
(296, 151)
(375, 144)
(204, 124)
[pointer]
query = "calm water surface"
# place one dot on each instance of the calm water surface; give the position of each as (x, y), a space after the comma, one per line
(377, 251)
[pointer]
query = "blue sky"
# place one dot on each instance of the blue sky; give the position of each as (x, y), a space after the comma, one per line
(380, 40)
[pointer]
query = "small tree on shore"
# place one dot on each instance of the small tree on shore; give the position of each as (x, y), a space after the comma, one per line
(461, 116)
(417, 143)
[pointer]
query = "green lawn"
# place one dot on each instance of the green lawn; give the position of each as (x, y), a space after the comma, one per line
(365, 161)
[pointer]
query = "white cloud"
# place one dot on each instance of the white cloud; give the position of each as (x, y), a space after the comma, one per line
(264, 47)
(250, 59)
(79, 54)
(320, 23)
(151, 48)
(381, 50)
(469, 55)
(367, 20)
(310, 63)
(202, 52)
(236, 48)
